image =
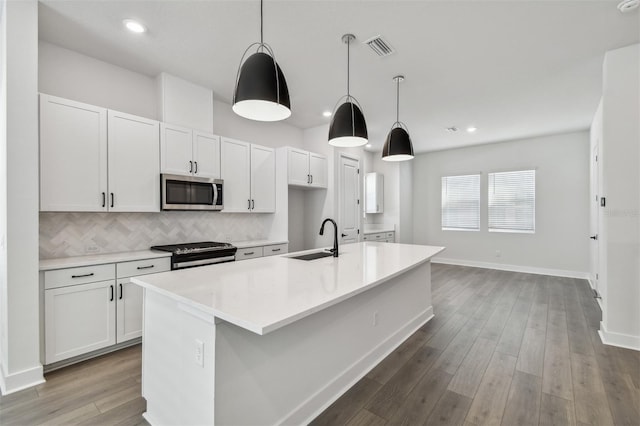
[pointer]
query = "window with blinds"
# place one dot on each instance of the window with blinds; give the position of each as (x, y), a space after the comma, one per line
(512, 201)
(461, 203)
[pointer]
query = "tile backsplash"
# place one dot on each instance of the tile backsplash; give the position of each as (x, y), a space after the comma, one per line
(77, 234)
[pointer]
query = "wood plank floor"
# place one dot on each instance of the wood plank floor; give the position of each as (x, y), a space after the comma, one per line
(504, 348)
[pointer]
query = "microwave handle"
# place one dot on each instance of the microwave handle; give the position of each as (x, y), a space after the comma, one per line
(215, 194)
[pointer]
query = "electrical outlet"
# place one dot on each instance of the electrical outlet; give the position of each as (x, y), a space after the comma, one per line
(498, 253)
(227, 238)
(375, 319)
(199, 352)
(92, 249)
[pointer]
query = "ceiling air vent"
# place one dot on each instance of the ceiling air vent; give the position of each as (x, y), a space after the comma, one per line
(380, 46)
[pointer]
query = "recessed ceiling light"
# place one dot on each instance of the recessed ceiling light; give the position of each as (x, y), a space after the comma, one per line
(471, 129)
(368, 145)
(628, 5)
(134, 26)
(327, 113)
(452, 129)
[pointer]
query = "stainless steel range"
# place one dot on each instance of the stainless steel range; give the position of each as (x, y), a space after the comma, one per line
(188, 255)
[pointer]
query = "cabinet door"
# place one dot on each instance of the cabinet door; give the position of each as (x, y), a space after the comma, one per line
(236, 172)
(206, 154)
(298, 167)
(79, 319)
(129, 311)
(73, 156)
(263, 179)
(134, 163)
(318, 170)
(175, 149)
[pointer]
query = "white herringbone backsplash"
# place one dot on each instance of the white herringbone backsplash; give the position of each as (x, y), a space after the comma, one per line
(77, 234)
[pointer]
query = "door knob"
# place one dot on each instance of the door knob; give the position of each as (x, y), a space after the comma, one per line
(594, 237)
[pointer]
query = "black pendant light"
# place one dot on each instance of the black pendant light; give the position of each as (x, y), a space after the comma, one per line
(398, 146)
(261, 91)
(348, 126)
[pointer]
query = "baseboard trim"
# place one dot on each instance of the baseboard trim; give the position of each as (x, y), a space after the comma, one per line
(626, 341)
(513, 268)
(10, 383)
(344, 381)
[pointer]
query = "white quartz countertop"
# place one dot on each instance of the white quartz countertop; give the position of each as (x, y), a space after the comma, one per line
(264, 294)
(375, 228)
(99, 259)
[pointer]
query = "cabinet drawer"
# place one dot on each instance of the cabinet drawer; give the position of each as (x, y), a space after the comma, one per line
(80, 275)
(143, 267)
(248, 253)
(276, 249)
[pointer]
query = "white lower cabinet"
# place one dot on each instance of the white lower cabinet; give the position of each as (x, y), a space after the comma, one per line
(381, 237)
(82, 316)
(79, 319)
(261, 251)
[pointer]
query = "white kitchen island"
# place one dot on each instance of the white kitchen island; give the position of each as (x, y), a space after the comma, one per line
(276, 340)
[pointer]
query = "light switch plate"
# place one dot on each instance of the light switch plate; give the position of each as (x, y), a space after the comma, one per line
(199, 352)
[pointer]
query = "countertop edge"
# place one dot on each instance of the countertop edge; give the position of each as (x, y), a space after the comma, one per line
(99, 259)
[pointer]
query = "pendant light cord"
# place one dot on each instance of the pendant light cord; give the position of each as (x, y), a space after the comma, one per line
(261, 25)
(398, 101)
(348, 64)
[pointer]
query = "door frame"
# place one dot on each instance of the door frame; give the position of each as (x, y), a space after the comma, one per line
(353, 157)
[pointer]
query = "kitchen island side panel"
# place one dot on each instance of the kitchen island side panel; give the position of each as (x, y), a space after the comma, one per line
(291, 375)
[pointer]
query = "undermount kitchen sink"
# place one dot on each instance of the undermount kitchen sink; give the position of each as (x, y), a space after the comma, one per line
(312, 256)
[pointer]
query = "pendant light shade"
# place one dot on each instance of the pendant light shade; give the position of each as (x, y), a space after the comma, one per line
(261, 91)
(398, 146)
(348, 127)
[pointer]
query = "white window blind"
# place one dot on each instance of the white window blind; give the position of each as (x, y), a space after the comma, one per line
(512, 201)
(461, 203)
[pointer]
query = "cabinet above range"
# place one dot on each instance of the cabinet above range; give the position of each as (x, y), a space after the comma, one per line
(184, 151)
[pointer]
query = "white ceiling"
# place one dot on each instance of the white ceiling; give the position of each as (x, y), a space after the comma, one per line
(512, 68)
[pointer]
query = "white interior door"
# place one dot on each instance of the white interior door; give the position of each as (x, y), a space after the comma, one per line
(349, 199)
(595, 211)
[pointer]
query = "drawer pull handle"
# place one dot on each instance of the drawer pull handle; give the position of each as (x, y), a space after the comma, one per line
(146, 267)
(120, 291)
(249, 253)
(82, 276)
(276, 249)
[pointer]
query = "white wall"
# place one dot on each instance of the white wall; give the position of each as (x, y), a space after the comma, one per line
(20, 303)
(620, 230)
(560, 244)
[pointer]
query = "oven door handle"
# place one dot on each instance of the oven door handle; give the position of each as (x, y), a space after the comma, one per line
(215, 194)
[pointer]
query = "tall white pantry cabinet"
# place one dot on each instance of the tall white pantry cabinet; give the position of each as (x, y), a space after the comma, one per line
(95, 160)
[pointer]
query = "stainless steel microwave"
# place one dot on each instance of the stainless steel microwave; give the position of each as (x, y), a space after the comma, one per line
(191, 193)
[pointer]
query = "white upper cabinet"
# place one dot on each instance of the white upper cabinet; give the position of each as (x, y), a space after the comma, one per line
(248, 172)
(306, 169)
(176, 149)
(374, 193)
(73, 156)
(84, 167)
(318, 170)
(263, 179)
(206, 154)
(134, 163)
(189, 152)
